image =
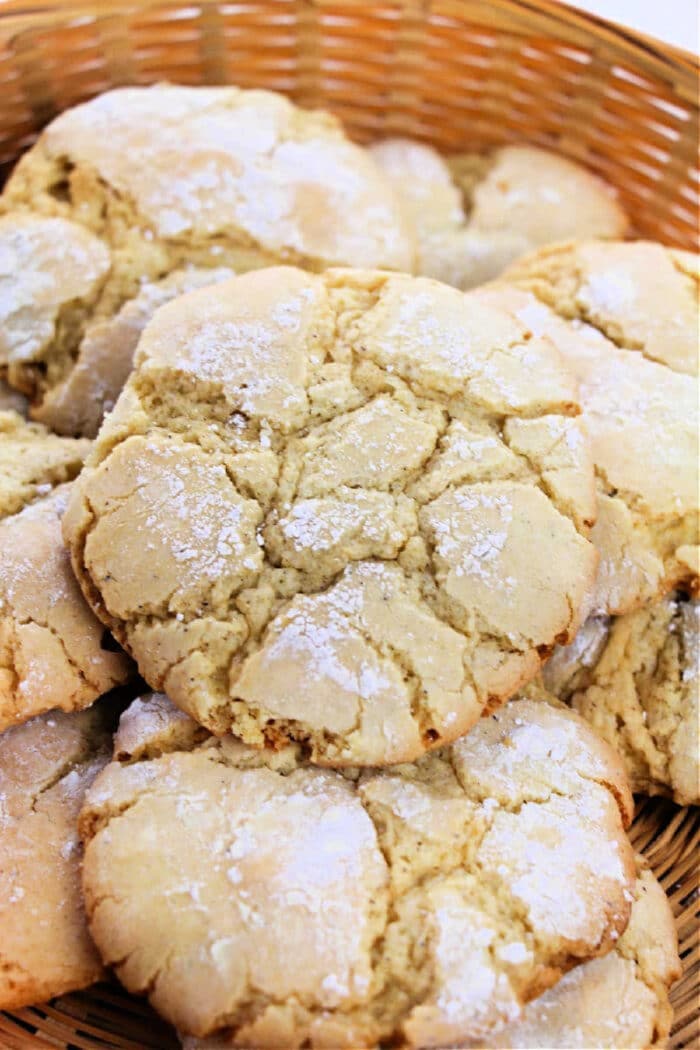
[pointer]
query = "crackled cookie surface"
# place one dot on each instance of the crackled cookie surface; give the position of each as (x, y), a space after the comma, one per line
(641, 295)
(243, 178)
(54, 653)
(298, 906)
(51, 274)
(642, 420)
(311, 514)
(635, 679)
(77, 404)
(33, 461)
(473, 215)
(611, 1003)
(53, 650)
(46, 766)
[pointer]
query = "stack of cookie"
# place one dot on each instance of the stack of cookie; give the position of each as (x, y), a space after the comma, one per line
(291, 523)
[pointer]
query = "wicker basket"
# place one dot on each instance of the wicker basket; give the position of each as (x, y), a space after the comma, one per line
(460, 74)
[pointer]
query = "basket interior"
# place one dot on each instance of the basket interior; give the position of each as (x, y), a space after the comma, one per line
(460, 74)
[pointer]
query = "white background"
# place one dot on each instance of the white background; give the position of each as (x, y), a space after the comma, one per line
(675, 21)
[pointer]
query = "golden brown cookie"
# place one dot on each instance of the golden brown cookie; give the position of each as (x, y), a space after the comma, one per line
(635, 679)
(640, 295)
(33, 461)
(642, 420)
(610, 1003)
(473, 215)
(299, 906)
(54, 653)
(613, 1002)
(51, 274)
(46, 766)
(311, 514)
(213, 175)
(105, 355)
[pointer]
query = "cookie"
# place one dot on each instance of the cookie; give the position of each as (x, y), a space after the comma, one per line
(105, 355)
(642, 420)
(53, 652)
(46, 766)
(420, 906)
(51, 275)
(215, 176)
(615, 1002)
(33, 461)
(311, 514)
(640, 295)
(473, 215)
(635, 679)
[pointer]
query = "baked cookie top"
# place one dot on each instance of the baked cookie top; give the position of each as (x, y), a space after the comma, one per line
(424, 904)
(163, 170)
(474, 214)
(349, 510)
(51, 274)
(77, 404)
(54, 653)
(33, 461)
(618, 1000)
(635, 678)
(46, 766)
(640, 295)
(642, 420)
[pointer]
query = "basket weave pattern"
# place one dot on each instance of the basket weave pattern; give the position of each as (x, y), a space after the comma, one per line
(460, 74)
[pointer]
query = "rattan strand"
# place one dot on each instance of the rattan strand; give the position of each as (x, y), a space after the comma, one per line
(460, 74)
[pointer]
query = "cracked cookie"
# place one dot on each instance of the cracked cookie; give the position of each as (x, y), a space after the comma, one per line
(105, 355)
(215, 176)
(635, 679)
(53, 651)
(51, 275)
(348, 510)
(614, 1002)
(640, 295)
(611, 1003)
(33, 461)
(642, 421)
(294, 905)
(473, 215)
(46, 766)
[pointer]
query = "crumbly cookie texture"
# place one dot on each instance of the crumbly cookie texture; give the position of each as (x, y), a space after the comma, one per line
(298, 906)
(610, 1003)
(473, 215)
(105, 356)
(311, 514)
(642, 420)
(33, 461)
(46, 766)
(54, 653)
(51, 274)
(635, 679)
(640, 295)
(213, 175)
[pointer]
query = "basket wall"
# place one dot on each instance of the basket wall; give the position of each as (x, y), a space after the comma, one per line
(460, 74)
